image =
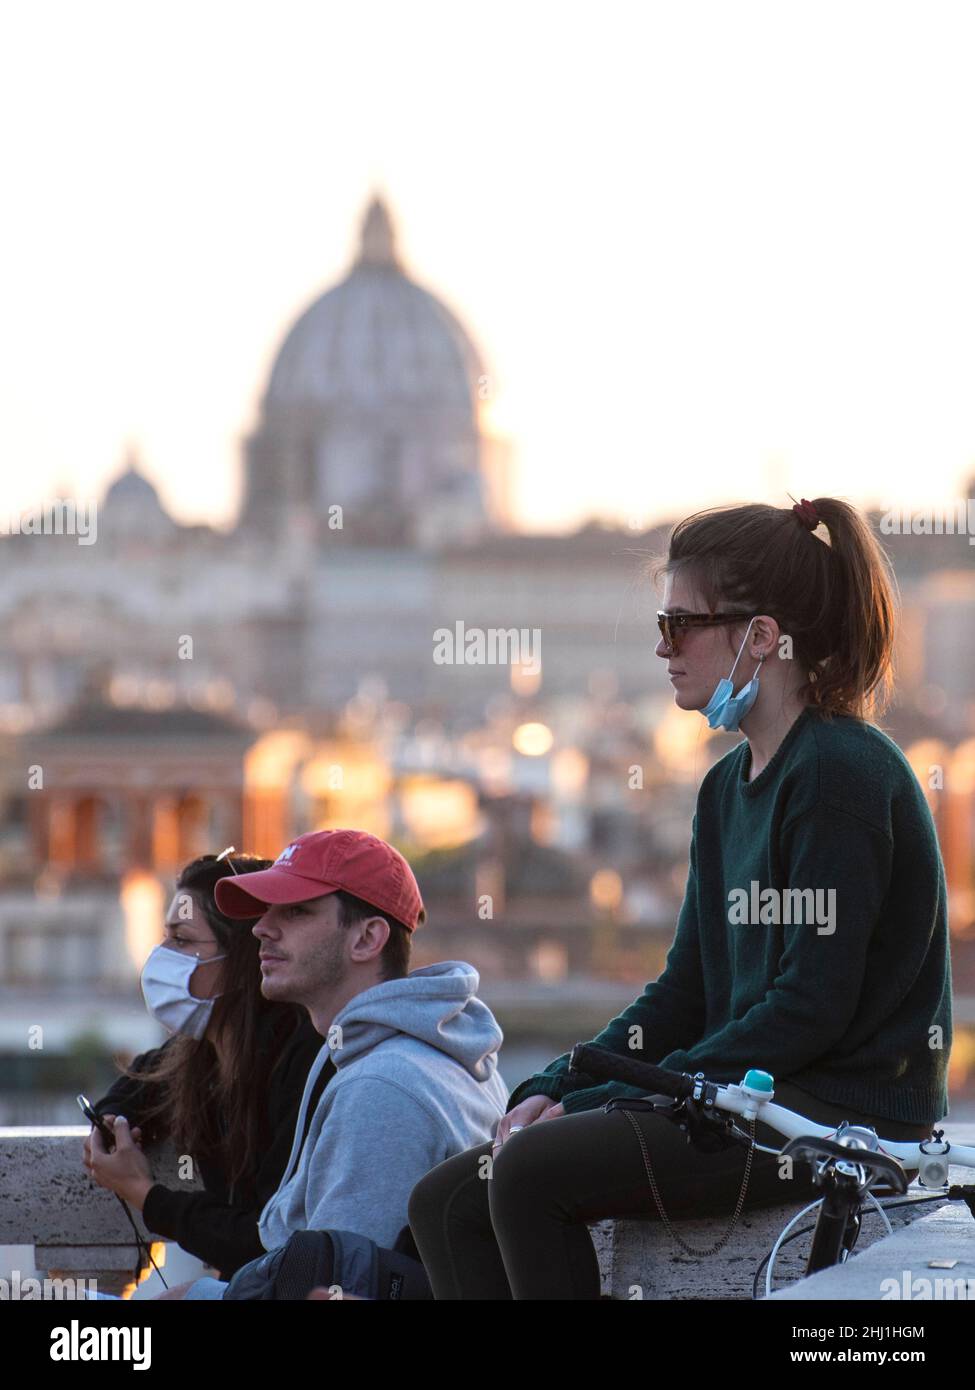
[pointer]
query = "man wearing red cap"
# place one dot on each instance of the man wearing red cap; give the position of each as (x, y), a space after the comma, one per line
(415, 1053)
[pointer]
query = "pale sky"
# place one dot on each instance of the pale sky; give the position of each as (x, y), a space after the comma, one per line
(711, 251)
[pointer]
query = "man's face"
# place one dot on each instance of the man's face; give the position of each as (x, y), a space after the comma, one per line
(303, 950)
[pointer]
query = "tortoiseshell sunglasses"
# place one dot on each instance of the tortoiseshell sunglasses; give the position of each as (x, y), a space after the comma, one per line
(672, 624)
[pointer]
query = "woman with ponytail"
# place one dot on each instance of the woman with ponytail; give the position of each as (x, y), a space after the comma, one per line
(812, 941)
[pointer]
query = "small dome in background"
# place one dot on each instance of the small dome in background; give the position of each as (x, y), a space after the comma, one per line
(131, 506)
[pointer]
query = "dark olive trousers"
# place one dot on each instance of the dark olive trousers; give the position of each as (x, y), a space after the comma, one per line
(511, 1223)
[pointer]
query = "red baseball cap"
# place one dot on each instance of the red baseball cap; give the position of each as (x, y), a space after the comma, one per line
(324, 861)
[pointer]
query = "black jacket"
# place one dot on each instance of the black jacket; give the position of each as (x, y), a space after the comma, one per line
(223, 1233)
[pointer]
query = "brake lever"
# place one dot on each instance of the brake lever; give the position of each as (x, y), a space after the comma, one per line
(708, 1130)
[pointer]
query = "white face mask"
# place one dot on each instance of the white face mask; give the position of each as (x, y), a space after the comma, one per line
(166, 987)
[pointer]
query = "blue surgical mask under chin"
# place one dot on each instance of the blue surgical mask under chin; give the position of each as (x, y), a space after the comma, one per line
(725, 710)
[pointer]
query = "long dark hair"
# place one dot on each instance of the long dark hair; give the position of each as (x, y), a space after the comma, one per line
(206, 1111)
(835, 597)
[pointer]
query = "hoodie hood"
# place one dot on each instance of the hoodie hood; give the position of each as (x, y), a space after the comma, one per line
(436, 1004)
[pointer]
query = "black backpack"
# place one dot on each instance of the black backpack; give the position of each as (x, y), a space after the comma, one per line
(336, 1260)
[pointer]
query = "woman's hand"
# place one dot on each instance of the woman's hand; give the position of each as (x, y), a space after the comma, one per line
(553, 1112)
(108, 1119)
(126, 1170)
(86, 1152)
(529, 1110)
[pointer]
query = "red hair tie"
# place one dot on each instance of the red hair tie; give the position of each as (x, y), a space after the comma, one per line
(807, 514)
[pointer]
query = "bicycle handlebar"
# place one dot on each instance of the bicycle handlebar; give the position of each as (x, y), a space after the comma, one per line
(600, 1064)
(603, 1065)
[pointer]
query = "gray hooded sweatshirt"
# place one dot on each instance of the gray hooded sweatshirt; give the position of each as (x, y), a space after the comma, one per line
(416, 1081)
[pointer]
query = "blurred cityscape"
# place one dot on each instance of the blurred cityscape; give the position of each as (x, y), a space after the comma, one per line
(171, 690)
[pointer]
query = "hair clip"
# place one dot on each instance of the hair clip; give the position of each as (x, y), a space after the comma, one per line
(807, 514)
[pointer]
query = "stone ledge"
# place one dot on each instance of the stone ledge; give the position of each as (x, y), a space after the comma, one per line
(638, 1259)
(77, 1228)
(60, 1205)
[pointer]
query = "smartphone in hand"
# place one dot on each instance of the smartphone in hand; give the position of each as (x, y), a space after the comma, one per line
(97, 1122)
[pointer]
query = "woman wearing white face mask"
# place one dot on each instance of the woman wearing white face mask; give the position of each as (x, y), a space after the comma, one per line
(226, 1086)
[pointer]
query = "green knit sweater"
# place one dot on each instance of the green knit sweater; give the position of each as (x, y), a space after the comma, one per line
(845, 990)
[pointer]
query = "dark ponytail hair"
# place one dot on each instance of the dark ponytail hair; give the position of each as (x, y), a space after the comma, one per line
(835, 597)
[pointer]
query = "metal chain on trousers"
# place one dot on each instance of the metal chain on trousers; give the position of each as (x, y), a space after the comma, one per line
(677, 1239)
